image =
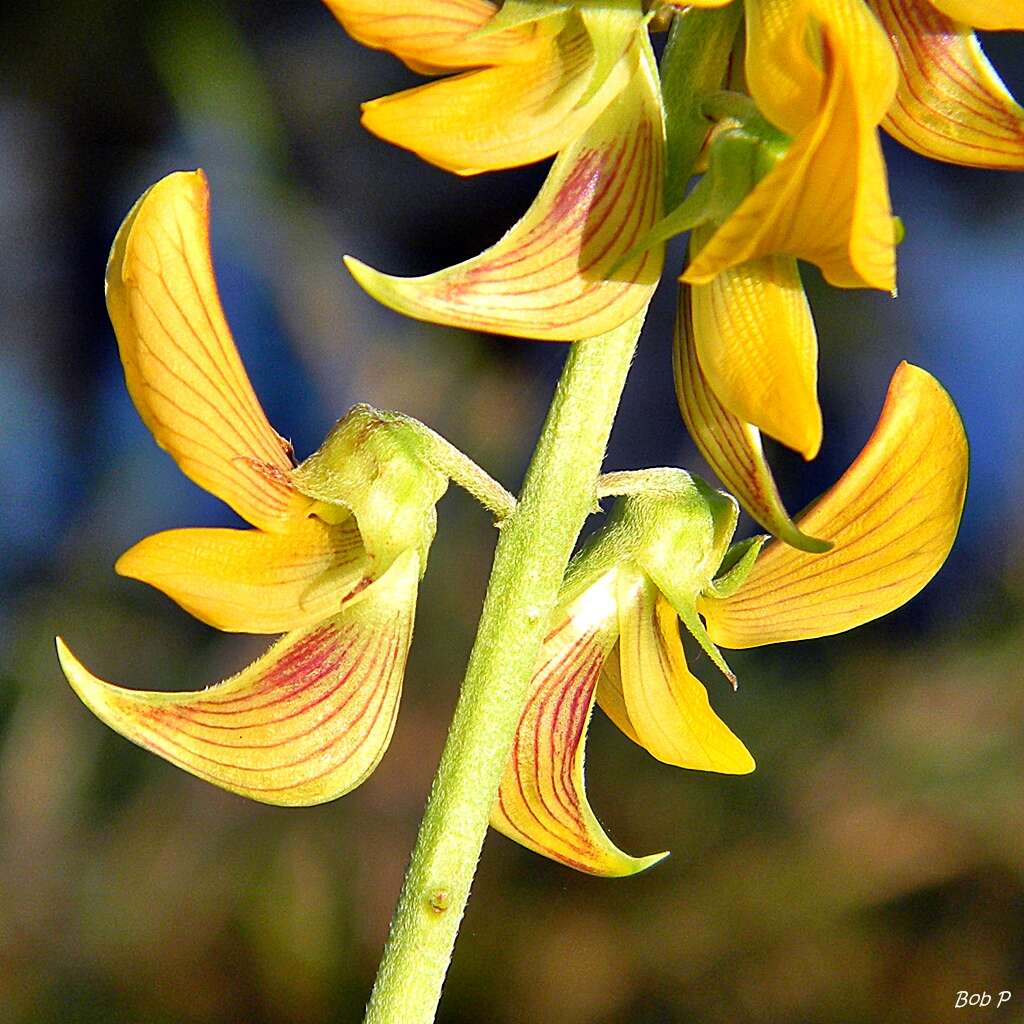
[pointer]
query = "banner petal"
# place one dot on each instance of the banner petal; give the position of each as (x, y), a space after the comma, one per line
(183, 371)
(248, 581)
(542, 802)
(893, 517)
(302, 725)
(950, 105)
(550, 277)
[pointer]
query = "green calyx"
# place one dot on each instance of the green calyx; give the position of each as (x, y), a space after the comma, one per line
(372, 467)
(675, 529)
(515, 13)
(735, 567)
(743, 148)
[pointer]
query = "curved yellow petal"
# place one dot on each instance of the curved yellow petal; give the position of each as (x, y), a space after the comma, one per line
(610, 697)
(826, 201)
(950, 104)
(542, 802)
(893, 516)
(667, 706)
(782, 75)
(731, 446)
(757, 347)
(503, 116)
(304, 724)
(248, 581)
(436, 34)
(183, 371)
(549, 278)
(993, 15)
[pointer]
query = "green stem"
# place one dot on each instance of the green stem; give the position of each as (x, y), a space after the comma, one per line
(442, 455)
(532, 552)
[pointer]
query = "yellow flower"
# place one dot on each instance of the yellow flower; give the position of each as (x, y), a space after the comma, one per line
(615, 636)
(828, 73)
(823, 72)
(312, 717)
(558, 274)
(535, 76)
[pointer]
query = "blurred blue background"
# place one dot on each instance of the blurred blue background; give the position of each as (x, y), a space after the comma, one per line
(869, 870)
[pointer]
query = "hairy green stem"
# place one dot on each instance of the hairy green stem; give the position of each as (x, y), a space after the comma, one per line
(532, 552)
(440, 453)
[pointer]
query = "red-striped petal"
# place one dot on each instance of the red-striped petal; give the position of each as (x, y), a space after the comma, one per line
(550, 277)
(950, 104)
(183, 371)
(893, 516)
(542, 801)
(304, 724)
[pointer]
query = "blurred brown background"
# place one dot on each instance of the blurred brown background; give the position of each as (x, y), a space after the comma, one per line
(869, 870)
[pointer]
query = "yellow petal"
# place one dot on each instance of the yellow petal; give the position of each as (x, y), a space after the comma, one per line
(304, 724)
(784, 79)
(503, 116)
(731, 446)
(435, 34)
(248, 581)
(986, 14)
(542, 801)
(893, 517)
(826, 201)
(667, 706)
(757, 347)
(950, 104)
(549, 277)
(183, 371)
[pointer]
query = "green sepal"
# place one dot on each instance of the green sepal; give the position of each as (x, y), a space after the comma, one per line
(515, 13)
(611, 26)
(738, 158)
(735, 567)
(695, 60)
(372, 466)
(677, 530)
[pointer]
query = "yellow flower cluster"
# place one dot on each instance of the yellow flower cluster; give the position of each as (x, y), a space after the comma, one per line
(794, 172)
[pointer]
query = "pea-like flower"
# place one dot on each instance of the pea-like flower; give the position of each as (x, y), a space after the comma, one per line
(535, 75)
(664, 556)
(828, 73)
(577, 80)
(333, 559)
(798, 173)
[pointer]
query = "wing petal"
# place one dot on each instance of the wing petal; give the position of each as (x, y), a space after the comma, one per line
(302, 725)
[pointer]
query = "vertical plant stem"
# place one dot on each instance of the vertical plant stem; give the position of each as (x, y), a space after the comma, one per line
(533, 549)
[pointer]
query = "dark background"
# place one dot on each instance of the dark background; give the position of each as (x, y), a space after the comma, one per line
(870, 868)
